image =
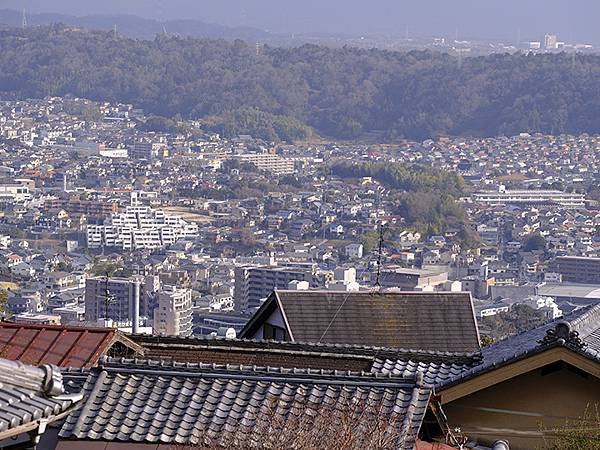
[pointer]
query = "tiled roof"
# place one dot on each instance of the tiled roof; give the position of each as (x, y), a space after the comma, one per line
(440, 321)
(433, 373)
(582, 329)
(29, 394)
(283, 354)
(59, 345)
(157, 402)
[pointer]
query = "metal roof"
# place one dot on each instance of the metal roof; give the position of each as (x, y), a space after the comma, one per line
(58, 345)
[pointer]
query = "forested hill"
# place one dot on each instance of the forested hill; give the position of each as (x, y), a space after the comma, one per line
(341, 93)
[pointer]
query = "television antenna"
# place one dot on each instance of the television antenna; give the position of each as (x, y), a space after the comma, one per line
(24, 19)
(108, 297)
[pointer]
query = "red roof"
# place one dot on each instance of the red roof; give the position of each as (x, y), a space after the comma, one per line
(58, 345)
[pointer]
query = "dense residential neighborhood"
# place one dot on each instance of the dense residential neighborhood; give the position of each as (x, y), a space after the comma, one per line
(223, 275)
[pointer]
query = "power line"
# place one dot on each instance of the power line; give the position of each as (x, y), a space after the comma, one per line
(342, 305)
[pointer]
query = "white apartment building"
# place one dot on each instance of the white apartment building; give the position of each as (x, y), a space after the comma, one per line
(531, 197)
(140, 227)
(18, 191)
(173, 315)
(268, 162)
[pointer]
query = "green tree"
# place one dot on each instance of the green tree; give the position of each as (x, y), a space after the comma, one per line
(534, 242)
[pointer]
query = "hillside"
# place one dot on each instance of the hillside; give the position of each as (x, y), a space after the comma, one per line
(341, 93)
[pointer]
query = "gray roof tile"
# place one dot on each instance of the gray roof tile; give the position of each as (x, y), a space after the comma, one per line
(29, 393)
(231, 403)
(441, 321)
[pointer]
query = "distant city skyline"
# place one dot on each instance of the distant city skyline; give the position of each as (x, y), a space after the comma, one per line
(466, 19)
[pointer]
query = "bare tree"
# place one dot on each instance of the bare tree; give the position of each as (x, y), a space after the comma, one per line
(350, 423)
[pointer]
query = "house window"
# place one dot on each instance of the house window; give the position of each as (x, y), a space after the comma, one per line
(274, 333)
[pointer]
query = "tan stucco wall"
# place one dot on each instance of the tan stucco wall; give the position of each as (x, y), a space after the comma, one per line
(544, 401)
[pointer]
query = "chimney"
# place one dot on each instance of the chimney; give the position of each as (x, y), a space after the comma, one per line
(136, 306)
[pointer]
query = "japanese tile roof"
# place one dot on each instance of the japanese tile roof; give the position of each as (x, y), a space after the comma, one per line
(284, 354)
(434, 373)
(579, 331)
(182, 403)
(59, 345)
(438, 321)
(29, 394)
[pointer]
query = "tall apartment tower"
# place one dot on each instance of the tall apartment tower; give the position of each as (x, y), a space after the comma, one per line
(550, 42)
(173, 314)
(252, 284)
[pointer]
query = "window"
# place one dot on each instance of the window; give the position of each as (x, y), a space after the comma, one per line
(275, 333)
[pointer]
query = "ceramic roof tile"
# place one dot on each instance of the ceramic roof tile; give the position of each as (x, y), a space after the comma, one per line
(229, 403)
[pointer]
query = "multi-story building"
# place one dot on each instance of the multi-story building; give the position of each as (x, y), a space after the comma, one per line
(94, 208)
(268, 162)
(575, 269)
(173, 315)
(410, 279)
(146, 150)
(550, 42)
(530, 197)
(16, 192)
(139, 227)
(113, 298)
(255, 283)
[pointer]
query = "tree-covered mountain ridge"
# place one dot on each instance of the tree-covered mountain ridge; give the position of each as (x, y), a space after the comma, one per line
(341, 93)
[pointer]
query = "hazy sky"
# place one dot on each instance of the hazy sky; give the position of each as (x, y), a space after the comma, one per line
(571, 19)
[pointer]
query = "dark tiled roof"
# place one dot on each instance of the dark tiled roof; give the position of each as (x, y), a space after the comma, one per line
(59, 345)
(437, 321)
(158, 402)
(282, 354)
(29, 394)
(434, 373)
(583, 326)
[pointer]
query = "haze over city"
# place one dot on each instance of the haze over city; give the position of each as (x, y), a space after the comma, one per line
(468, 19)
(307, 225)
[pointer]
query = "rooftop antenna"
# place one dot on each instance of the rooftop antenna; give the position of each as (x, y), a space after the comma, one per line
(108, 297)
(379, 257)
(24, 19)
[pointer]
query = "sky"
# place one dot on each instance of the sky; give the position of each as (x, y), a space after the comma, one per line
(572, 20)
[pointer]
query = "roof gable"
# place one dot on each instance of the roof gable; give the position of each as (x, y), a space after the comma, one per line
(410, 320)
